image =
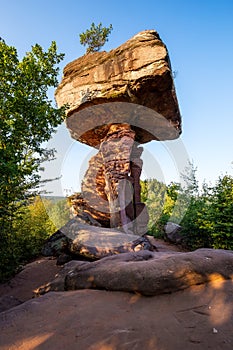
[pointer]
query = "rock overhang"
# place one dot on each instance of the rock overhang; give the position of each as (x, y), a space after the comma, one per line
(130, 84)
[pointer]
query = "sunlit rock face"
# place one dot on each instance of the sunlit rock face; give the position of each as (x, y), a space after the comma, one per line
(118, 100)
(137, 72)
(147, 272)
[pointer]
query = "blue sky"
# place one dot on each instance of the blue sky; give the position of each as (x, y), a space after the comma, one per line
(198, 35)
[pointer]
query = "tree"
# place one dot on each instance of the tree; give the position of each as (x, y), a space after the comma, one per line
(27, 119)
(30, 228)
(59, 212)
(221, 213)
(153, 193)
(204, 213)
(33, 226)
(95, 37)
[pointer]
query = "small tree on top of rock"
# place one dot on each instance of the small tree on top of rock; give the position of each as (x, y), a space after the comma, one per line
(95, 37)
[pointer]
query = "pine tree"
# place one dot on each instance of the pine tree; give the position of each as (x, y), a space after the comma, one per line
(95, 37)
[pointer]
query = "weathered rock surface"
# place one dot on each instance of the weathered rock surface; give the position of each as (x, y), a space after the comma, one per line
(131, 84)
(145, 272)
(172, 232)
(80, 239)
(8, 301)
(84, 204)
(93, 191)
(197, 318)
(20, 288)
(117, 101)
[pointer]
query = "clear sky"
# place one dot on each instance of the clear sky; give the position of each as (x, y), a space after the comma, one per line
(199, 38)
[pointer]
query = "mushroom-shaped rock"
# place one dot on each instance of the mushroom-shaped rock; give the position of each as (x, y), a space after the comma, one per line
(118, 100)
(138, 76)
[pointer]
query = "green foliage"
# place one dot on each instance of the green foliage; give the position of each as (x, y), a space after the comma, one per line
(208, 221)
(95, 37)
(27, 119)
(28, 229)
(58, 211)
(206, 214)
(31, 226)
(194, 208)
(34, 226)
(153, 195)
(221, 213)
(196, 224)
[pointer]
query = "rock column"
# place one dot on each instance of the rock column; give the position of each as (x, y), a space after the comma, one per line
(116, 150)
(111, 186)
(141, 216)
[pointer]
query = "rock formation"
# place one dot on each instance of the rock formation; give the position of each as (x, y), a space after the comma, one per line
(137, 72)
(83, 236)
(145, 272)
(118, 100)
(195, 319)
(172, 232)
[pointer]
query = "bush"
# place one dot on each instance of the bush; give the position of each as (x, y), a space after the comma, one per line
(27, 232)
(206, 215)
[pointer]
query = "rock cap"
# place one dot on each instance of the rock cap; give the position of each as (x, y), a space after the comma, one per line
(138, 76)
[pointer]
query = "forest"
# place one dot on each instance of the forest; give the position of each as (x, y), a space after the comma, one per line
(204, 214)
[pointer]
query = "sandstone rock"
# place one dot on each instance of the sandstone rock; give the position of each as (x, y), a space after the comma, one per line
(93, 191)
(85, 204)
(58, 283)
(95, 242)
(55, 245)
(63, 258)
(20, 288)
(131, 84)
(80, 239)
(7, 302)
(101, 320)
(172, 232)
(118, 100)
(147, 273)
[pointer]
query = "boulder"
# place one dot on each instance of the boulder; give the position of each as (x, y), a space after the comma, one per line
(172, 232)
(131, 84)
(145, 272)
(77, 238)
(55, 245)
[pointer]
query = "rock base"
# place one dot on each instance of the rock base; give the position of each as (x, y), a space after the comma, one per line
(145, 272)
(195, 319)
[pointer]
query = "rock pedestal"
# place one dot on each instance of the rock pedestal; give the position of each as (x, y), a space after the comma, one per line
(117, 101)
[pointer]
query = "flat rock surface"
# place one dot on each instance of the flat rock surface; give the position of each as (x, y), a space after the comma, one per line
(199, 317)
(21, 287)
(41, 271)
(194, 319)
